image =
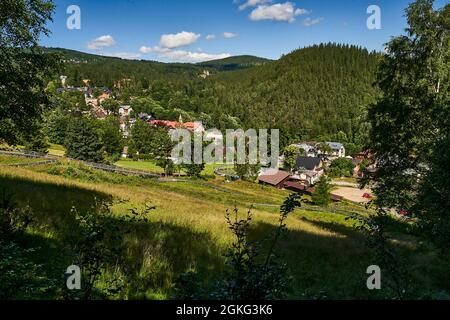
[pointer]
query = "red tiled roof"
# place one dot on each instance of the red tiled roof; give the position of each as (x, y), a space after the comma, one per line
(173, 124)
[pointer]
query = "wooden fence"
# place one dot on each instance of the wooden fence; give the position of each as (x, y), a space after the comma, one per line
(53, 159)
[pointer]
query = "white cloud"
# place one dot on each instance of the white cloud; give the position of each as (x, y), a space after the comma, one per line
(309, 22)
(101, 42)
(299, 12)
(155, 49)
(229, 35)
(145, 49)
(188, 56)
(182, 55)
(124, 55)
(253, 3)
(181, 39)
(282, 12)
(210, 37)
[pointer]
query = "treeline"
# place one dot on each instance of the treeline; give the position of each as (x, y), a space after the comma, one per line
(108, 71)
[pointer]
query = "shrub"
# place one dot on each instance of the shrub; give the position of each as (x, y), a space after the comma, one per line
(255, 270)
(341, 167)
(322, 192)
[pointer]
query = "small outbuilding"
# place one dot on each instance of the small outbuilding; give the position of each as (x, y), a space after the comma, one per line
(277, 179)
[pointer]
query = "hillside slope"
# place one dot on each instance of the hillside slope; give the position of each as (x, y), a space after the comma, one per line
(311, 92)
(106, 71)
(235, 63)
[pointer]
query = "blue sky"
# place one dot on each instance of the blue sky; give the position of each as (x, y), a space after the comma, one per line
(178, 30)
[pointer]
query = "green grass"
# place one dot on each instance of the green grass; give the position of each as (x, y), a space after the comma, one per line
(187, 231)
(152, 167)
(56, 150)
(139, 165)
(7, 160)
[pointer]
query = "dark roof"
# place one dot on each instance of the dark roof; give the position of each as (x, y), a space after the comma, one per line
(294, 186)
(308, 163)
(274, 179)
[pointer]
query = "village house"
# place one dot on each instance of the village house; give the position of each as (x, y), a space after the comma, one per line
(99, 113)
(124, 127)
(125, 111)
(105, 95)
(337, 150)
(145, 117)
(308, 170)
(195, 127)
(309, 148)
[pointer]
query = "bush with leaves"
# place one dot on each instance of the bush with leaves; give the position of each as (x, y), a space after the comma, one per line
(13, 219)
(111, 137)
(291, 154)
(20, 276)
(341, 167)
(255, 270)
(395, 275)
(37, 142)
(99, 247)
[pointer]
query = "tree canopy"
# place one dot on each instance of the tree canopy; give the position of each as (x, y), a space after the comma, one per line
(24, 68)
(411, 120)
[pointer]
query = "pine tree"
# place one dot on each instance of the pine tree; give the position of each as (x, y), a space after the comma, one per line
(322, 192)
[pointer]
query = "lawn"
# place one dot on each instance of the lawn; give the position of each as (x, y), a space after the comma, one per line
(139, 165)
(151, 166)
(56, 150)
(325, 255)
(9, 160)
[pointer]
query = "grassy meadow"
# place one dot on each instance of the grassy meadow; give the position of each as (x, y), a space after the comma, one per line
(151, 166)
(187, 232)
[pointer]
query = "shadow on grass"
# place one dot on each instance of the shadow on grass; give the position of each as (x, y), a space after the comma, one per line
(323, 266)
(52, 203)
(156, 252)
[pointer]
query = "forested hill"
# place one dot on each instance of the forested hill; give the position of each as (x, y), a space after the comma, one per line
(105, 71)
(315, 91)
(235, 63)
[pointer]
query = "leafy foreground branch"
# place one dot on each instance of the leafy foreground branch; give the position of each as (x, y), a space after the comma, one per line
(20, 277)
(100, 247)
(395, 277)
(254, 273)
(254, 270)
